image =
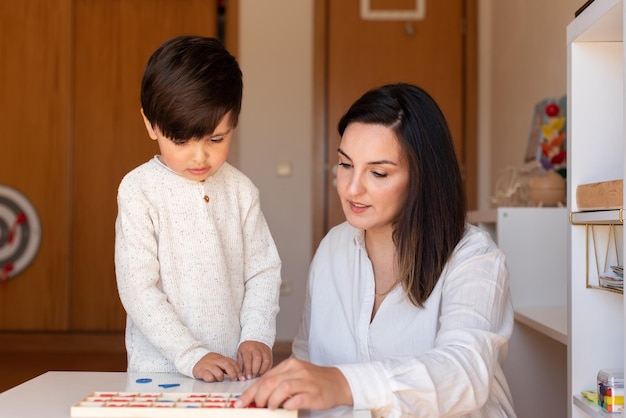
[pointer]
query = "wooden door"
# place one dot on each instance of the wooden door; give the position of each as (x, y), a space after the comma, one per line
(35, 39)
(113, 40)
(362, 54)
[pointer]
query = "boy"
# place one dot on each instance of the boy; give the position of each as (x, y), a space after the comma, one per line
(197, 270)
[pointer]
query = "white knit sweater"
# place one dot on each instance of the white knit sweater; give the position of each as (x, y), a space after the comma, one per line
(194, 276)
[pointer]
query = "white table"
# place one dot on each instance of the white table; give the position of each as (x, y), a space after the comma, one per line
(53, 393)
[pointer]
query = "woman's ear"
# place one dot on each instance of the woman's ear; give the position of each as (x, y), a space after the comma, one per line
(151, 132)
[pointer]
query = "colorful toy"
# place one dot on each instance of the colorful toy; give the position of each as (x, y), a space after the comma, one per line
(611, 390)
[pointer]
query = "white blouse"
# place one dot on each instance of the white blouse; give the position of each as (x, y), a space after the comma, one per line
(440, 361)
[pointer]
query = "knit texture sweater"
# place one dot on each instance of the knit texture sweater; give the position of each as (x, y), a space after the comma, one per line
(193, 276)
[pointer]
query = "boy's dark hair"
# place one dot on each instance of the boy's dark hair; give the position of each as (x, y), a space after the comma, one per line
(189, 84)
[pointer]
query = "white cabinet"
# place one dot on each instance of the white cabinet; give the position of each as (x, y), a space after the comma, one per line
(595, 153)
(534, 241)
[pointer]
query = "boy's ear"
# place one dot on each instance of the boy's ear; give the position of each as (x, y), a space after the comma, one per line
(151, 133)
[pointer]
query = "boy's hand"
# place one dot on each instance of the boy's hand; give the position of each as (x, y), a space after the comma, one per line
(214, 367)
(254, 358)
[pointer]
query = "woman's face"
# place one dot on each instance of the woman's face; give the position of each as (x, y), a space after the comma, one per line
(372, 176)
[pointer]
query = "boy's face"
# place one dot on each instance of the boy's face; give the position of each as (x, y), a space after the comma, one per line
(195, 159)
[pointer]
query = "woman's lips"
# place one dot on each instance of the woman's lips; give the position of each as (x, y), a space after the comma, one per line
(357, 207)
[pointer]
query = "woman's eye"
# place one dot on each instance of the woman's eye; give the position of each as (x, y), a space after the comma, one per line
(344, 165)
(379, 175)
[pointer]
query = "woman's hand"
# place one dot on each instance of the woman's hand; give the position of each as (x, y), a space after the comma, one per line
(295, 384)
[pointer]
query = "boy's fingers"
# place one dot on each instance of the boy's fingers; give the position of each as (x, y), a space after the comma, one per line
(233, 370)
(255, 363)
(266, 364)
(211, 374)
(240, 361)
(245, 365)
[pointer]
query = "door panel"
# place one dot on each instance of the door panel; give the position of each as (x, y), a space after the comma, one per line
(34, 116)
(363, 54)
(114, 39)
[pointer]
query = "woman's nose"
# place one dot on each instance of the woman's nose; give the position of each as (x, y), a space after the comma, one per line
(354, 183)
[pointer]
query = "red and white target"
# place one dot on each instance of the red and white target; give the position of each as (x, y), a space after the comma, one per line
(20, 232)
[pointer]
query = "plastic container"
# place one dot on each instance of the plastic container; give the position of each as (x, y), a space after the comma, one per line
(611, 390)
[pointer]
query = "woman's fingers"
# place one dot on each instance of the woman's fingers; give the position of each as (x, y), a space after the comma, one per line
(261, 390)
(295, 384)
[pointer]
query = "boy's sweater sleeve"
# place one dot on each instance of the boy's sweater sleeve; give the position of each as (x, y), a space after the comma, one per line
(262, 279)
(137, 272)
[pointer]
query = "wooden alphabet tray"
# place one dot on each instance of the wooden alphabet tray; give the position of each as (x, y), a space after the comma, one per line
(169, 405)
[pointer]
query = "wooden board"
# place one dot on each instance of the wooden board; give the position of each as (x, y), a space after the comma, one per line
(169, 405)
(600, 196)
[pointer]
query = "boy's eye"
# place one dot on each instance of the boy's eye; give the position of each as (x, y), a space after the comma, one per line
(217, 139)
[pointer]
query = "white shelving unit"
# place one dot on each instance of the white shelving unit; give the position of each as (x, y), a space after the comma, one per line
(595, 153)
(550, 321)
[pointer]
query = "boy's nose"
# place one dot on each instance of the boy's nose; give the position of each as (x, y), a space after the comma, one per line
(200, 151)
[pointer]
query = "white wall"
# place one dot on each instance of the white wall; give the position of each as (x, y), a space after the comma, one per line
(276, 127)
(522, 60)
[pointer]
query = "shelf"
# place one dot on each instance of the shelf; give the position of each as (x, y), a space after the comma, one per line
(605, 289)
(592, 409)
(597, 217)
(600, 22)
(550, 321)
(596, 154)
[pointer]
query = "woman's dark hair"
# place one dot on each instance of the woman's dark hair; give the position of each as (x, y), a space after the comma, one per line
(432, 220)
(189, 84)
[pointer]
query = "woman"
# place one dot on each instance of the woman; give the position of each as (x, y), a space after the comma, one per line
(408, 311)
